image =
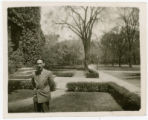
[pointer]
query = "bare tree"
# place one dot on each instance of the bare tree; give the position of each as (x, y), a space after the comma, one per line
(82, 20)
(113, 43)
(130, 18)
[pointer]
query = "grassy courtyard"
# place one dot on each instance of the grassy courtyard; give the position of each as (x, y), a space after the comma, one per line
(84, 101)
(79, 102)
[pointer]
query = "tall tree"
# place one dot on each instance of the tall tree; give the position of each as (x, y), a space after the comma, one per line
(114, 44)
(81, 22)
(130, 18)
(108, 46)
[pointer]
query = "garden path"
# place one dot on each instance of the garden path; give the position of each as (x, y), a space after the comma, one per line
(104, 77)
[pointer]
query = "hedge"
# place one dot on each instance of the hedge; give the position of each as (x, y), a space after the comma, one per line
(87, 87)
(127, 99)
(24, 84)
(78, 67)
(92, 74)
(19, 84)
(63, 74)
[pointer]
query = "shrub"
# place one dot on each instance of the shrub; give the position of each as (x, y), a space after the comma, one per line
(127, 99)
(92, 74)
(15, 61)
(24, 84)
(62, 74)
(19, 84)
(87, 87)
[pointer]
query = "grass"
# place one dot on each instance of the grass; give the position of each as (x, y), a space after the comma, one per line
(130, 77)
(84, 101)
(117, 68)
(80, 102)
(20, 95)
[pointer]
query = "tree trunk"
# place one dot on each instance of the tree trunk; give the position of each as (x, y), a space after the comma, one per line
(86, 63)
(119, 61)
(134, 58)
(112, 62)
(130, 56)
(86, 58)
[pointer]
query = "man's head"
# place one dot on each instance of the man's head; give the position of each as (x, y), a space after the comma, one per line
(40, 65)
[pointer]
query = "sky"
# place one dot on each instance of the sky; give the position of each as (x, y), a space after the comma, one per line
(51, 15)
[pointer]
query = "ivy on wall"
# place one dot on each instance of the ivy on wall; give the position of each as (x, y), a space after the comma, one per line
(25, 36)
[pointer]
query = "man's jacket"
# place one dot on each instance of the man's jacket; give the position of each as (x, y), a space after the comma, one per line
(44, 84)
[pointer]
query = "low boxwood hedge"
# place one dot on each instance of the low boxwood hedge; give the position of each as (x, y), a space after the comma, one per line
(63, 74)
(87, 87)
(19, 84)
(24, 84)
(127, 99)
(92, 74)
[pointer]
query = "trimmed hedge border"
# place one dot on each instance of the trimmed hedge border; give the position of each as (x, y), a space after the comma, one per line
(66, 74)
(127, 99)
(92, 74)
(23, 84)
(19, 84)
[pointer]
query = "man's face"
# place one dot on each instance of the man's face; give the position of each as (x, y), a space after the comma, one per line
(40, 65)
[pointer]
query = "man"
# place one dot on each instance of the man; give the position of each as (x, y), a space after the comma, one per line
(43, 84)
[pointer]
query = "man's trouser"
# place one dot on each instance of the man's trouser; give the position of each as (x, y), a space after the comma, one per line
(41, 107)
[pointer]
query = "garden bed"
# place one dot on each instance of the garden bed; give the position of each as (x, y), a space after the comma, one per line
(127, 99)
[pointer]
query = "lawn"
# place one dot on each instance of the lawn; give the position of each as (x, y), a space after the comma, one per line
(117, 68)
(20, 95)
(80, 102)
(130, 77)
(85, 101)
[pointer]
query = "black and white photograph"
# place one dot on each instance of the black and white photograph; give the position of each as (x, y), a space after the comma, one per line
(74, 58)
